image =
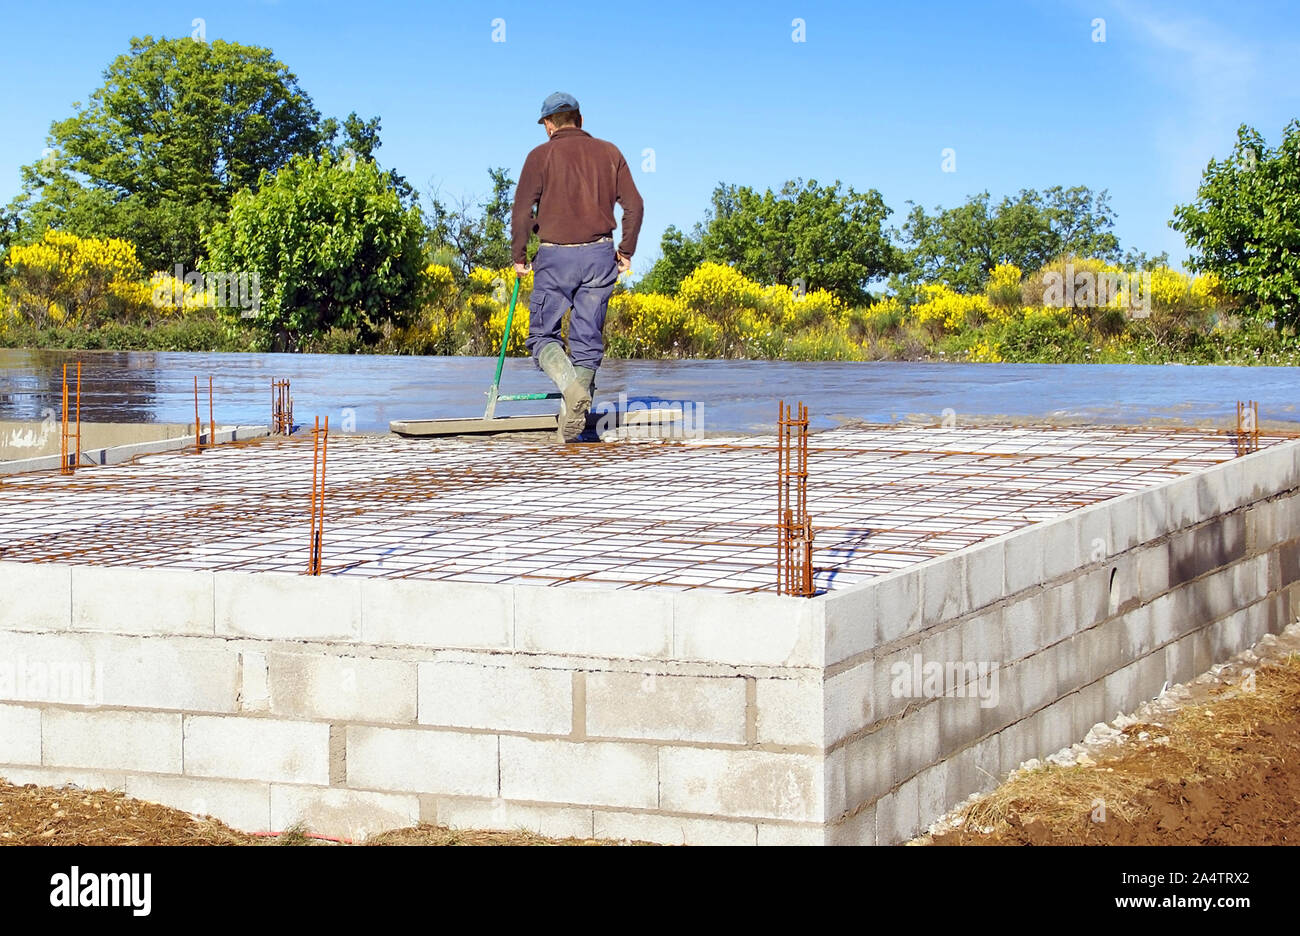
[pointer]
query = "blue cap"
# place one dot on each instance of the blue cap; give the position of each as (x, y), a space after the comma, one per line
(559, 101)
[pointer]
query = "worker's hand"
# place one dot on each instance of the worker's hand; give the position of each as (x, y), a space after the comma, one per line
(624, 263)
(522, 268)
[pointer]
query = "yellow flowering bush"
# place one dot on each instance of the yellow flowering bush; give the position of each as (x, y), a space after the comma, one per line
(66, 278)
(1169, 289)
(942, 309)
(1003, 288)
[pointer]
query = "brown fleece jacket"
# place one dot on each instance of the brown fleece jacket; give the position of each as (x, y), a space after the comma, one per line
(574, 180)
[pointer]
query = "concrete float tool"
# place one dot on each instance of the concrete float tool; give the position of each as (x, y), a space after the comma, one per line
(490, 422)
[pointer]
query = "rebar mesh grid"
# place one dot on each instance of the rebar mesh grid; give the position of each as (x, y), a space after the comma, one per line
(631, 515)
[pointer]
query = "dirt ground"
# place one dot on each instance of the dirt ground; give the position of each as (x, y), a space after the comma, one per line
(1218, 764)
(31, 815)
(1214, 762)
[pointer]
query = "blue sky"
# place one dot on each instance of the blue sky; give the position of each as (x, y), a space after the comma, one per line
(874, 95)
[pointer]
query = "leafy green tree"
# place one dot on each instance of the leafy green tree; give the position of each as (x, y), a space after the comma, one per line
(678, 256)
(961, 246)
(826, 236)
(332, 246)
(178, 127)
(1245, 225)
(479, 235)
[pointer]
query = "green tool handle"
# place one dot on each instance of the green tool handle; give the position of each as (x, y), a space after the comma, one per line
(505, 337)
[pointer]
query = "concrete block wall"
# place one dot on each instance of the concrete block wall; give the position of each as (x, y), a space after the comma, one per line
(1081, 618)
(355, 704)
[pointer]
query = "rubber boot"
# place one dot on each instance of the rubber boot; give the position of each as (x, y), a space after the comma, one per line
(575, 400)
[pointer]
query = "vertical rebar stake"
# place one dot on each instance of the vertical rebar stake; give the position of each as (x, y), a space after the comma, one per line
(794, 526)
(320, 445)
(1247, 427)
(212, 422)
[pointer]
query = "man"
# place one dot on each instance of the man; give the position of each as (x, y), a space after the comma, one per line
(574, 180)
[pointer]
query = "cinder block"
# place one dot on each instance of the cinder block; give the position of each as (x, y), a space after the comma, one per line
(460, 812)
(1227, 636)
(741, 783)
(1153, 513)
(898, 605)
(242, 805)
(760, 630)
(791, 711)
(1094, 531)
(509, 697)
(850, 622)
(667, 708)
(126, 600)
(1017, 744)
(975, 770)
(1022, 627)
(898, 816)
(894, 676)
(421, 760)
(1024, 558)
(788, 835)
(984, 573)
(254, 682)
(1212, 494)
(37, 596)
(112, 670)
(1056, 726)
(1125, 524)
(350, 688)
(672, 830)
(1182, 500)
(1179, 661)
(1203, 549)
(414, 613)
(943, 588)
(853, 831)
(111, 740)
(981, 637)
(1059, 606)
(870, 766)
(596, 773)
(593, 622)
(942, 644)
(20, 735)
(932, 794)
(236, 747)
(1123, 690)
(849, 702)
(1035, 681)
(1137, 631)
(1090, 708)
(354, 815)
(916, 736)
(278, 606)
(1060, 547)
(961, 718)
(1153, 571)
(1070, 672)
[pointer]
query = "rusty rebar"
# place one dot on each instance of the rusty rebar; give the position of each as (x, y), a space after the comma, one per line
(794, 527)
(70, 440)
(1247, 436)
(320, 445)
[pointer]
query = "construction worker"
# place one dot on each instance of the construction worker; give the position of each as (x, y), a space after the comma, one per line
(574, 180)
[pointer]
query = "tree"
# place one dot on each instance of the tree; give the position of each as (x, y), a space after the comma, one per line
(479, 238)
(828, 237)
(1245, 225)
(178, 127)
(332, 246)
(961, 246)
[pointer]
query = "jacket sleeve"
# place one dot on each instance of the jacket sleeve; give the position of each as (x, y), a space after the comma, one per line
(527, 193)
(633, 208)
